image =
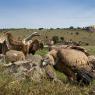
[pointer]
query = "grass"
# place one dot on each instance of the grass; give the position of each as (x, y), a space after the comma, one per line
(83, 35)
(42, 52)
(9, 85)
(90, 49)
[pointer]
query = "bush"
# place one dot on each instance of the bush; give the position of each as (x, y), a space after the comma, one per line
(79, 28)
(86, 44)
(77, 33)
(55, 39)
(71, 27)
(41, 28)
(57, 28)
(62, 39)
(71, 33)
(51, 28)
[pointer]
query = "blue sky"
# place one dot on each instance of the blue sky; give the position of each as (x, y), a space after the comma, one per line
(46, 13)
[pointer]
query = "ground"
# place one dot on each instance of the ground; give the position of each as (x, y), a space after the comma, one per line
(68, 34)
(10, 86)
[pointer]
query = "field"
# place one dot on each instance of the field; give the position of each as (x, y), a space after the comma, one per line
(11, 86)
(68, 34)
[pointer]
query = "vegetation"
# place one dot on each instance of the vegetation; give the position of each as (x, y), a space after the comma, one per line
(77, 35)
(11, 86)
(90, 49)
(55, 39)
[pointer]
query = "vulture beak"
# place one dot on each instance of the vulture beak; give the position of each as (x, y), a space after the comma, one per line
(44, 62)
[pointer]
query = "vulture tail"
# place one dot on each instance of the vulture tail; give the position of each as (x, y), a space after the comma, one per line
(84, 77)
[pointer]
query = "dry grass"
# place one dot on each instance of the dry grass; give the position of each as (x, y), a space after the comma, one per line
(11, 86)
(68, 34)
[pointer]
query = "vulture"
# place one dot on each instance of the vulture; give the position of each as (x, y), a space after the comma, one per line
(13, 56)
(26, 45)
(73, 62)
(3, 45)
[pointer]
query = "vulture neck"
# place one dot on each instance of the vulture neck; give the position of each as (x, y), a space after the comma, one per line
(30, 37)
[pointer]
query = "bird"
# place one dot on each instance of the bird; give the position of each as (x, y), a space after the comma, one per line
(73, 62)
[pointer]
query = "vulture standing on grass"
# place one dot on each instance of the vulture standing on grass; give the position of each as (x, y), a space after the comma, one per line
(26, 45)
(73, 62)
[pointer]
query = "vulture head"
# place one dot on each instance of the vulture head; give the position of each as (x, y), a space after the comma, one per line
(50, 58)
(34, 46)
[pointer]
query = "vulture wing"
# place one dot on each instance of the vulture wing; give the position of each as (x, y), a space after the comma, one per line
(76, 61)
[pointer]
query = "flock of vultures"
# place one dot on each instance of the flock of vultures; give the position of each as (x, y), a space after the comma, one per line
(74, 61)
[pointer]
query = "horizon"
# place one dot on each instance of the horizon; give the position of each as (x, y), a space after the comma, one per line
(46, 28)
(46, 13)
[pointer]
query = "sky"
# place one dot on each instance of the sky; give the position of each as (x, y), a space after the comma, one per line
(46, 13)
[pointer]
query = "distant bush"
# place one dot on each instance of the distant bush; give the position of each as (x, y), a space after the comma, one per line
(70, 39)
(86, 44)
(51, 29)
(41, 28)
(46, 37)
(71, 33)
(62, 39)
(71, 27)
(55, 39)
(77, 33)
(57, 28)
(79, 28)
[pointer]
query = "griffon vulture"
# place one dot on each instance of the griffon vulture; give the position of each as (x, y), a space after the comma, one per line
(73, 62)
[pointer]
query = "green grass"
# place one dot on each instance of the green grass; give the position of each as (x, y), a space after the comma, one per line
(90, 49)
(42, 52)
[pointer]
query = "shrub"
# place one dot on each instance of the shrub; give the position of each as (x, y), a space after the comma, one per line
(71, 27)
(51, 28)
(62, 39)
(77, 33)
(41, 28)
(55, 39)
